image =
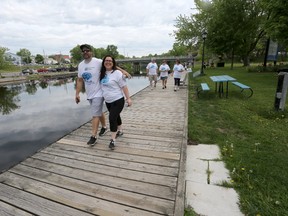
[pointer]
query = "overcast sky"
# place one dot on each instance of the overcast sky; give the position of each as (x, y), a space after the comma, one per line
(136, 27)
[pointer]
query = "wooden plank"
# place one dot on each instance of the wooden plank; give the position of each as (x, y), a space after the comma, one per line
(133, 151)
(120, 172)
(161, 191)
(71, 199)
(116, 195)
(136, 137)
(36, 205)
(151, 168)
(144, 145)
(10, 210)
(115, 155)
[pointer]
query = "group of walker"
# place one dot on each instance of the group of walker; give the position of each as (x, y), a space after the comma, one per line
(152, 71)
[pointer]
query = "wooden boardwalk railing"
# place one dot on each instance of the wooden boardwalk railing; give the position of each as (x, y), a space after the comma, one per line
(144, 175)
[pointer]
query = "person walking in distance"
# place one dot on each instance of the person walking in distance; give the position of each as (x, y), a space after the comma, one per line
(177, 71)
(114, 87)
(152, 71)
(88, 74)
(164, 69)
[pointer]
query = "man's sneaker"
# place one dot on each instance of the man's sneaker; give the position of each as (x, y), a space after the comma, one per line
(112, 144)
(119, 133)
(103, 131)
(92, 141)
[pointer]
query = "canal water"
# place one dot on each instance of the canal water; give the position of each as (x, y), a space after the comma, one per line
(36, 114)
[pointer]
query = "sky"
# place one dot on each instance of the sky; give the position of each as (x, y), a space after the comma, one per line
(46, 27)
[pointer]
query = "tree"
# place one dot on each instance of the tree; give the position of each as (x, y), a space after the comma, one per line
(234, 27)
(3, 63)
(277, 21)
(76, 54)
(39, 59)
(25, 54)
(100, 52)
(112, 50)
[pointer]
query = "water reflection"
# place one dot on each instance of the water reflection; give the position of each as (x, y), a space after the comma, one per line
(8, 99)
(36, 114)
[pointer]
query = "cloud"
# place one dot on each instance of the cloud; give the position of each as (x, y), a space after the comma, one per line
(137, 28)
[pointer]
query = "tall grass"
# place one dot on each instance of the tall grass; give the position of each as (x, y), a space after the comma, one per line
(252, 136)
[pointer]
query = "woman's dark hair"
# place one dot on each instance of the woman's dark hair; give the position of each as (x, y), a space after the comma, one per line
(103, 69)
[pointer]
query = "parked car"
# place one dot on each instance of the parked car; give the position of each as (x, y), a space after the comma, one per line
(27, 71)
(52, 69)
(41, 70)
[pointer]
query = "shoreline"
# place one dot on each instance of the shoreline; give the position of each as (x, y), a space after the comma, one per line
(16, 79)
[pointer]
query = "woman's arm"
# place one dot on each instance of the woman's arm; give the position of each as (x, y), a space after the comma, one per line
(126, 93)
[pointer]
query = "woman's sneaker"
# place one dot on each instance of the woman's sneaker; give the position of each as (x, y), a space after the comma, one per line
(112, 144)
(103, 131)
(119, 133)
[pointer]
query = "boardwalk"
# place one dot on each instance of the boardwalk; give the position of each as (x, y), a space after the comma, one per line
(144, 175)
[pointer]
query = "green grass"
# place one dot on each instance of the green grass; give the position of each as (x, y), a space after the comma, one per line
(252, 136)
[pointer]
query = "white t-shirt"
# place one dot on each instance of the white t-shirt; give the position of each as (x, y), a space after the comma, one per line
(112, 85)
(152, 68)
(176, 70)
(90, 72)
(164, 68)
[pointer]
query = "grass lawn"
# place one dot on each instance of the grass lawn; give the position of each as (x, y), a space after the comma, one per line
(252, 137)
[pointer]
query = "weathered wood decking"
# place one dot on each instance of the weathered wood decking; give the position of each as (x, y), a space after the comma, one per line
(144, 175)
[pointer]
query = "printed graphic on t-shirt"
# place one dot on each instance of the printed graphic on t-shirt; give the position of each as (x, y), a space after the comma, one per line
(87, 77)
(105, 79)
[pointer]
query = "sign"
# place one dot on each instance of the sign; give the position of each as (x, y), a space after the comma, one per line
(272, 51)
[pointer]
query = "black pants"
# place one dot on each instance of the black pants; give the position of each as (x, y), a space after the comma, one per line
(115, 109)
(177, 81)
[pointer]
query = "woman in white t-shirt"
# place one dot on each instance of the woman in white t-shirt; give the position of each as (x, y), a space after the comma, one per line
(114, 87)
(164, 69)
(177, 72)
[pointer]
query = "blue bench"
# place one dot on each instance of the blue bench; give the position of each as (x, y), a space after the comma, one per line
(243, 87)
(202, 87)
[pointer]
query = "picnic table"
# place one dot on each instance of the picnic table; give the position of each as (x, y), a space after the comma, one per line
(219, 83)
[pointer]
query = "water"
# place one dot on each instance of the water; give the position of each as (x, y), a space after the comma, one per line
(36, 114)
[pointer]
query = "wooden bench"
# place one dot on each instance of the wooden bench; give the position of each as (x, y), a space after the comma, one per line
(202, 87)
(243, 87)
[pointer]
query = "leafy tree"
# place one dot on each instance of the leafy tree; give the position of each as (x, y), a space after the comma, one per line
(112, 50)
(8, 100)
(179, 50)
(234, 27)
(25, 54)
(277, 21)
(39, 59)
(76, 55)
(100, 52)
(3, 63)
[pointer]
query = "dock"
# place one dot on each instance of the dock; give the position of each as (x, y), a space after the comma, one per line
(144, 175)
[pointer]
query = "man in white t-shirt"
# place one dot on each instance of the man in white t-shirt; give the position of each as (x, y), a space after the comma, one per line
(89, 74)
(152, 71)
